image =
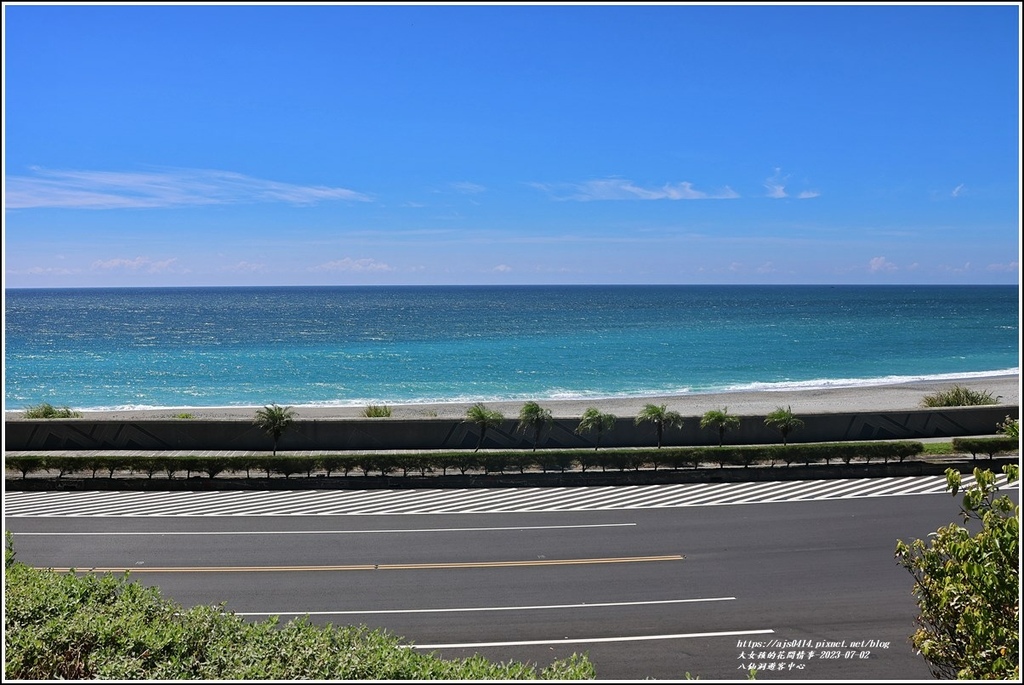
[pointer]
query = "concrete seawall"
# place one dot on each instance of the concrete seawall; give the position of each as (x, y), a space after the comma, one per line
(412, 434)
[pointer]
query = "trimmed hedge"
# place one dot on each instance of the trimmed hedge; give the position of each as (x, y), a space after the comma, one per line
(462, 462)
(989, 446)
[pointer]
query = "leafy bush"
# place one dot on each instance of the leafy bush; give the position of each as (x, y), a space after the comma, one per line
(48, 411)
(66, 626)
(377, 411)
(967, 586)
(959, 396)
(1010, 428)
(184, 415)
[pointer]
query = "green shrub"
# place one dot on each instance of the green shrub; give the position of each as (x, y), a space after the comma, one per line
(149, 465)
(382, 463)
(374, 411)
(466, 462)
(107, 464)
(23, 464)
(1010, 428)
(67, 626)
(411, 463)
(173, 464)
(967, 586)
(846, 451)
(520, 461)
(619, 460)
(288, 465)
(48, 411)
(331, 463)
(958, 396)
(495, 463)
(64, 464)
(184, 415)
(492, 462)
(555, 461)
(989, 446)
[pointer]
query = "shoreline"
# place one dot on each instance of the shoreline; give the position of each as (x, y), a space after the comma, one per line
(900, 396)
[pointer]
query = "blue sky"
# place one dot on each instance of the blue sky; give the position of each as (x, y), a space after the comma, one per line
(168, 145)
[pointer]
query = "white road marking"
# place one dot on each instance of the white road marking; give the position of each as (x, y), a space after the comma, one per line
(587, 640)
(584, 605)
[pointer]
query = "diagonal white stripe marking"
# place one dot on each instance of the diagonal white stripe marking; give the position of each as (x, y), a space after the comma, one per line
(475, 500)
(151, 533)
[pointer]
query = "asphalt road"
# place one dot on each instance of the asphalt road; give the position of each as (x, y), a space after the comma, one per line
(809, 586)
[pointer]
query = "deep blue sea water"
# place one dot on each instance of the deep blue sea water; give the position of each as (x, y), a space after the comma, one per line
(206, 347)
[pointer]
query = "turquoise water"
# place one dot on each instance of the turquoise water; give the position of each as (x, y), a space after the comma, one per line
(206, 347)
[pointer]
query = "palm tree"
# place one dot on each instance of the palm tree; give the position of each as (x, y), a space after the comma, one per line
(784, 420)
(533, 416)
(720, 419)
(274, 420)
(594, 420)
(661, 417)
(484, 418)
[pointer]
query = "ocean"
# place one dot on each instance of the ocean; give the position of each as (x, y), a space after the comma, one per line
(144, 348)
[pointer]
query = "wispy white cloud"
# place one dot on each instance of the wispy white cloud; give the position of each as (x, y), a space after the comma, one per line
(162, 188)
(119, 263)
(349, 264)
(467, 187)
(776, 187)
(1007, 267)
(502, 268)
(144, 264)
(44, 271)
(958, 191)
(622, 189)
(244, 267)
(880, 264)
(164, 265)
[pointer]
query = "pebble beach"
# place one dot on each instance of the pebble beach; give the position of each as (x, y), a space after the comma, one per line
(874, 398)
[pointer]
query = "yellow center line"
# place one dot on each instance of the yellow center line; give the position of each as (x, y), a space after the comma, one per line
(370, 567)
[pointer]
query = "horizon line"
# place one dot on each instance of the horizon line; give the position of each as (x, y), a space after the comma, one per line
(511, 285)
